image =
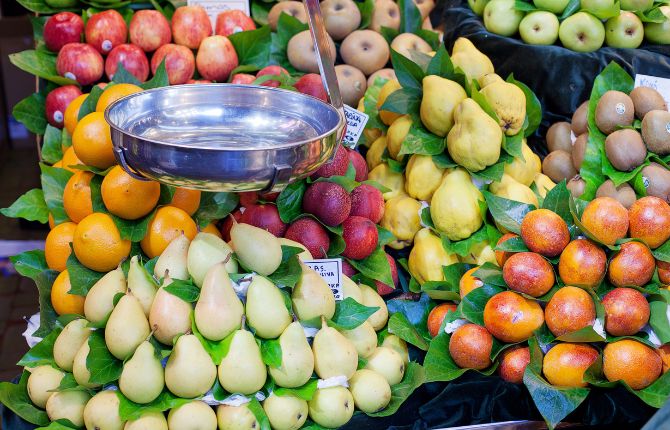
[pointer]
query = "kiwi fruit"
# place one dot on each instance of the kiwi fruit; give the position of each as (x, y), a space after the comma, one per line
(580, 119)
(558, 166)
(558, 137)
(387, 74)
(340, 17)
(352, 83)
(646, 99)
(301, 54)
(625, 149)
(366, 50)
(624, 193)
(656, 179)
(614, 109)
(656, 131)
(579, 149)
(385, 14)
(294, 8)
(577, 186)
(406, 42)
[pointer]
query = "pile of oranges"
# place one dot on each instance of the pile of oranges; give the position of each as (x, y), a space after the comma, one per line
(94, 236)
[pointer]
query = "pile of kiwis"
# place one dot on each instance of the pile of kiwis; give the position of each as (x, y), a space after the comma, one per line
(364, 51)
(635, 124)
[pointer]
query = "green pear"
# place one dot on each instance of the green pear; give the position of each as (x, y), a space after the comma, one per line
(285, 412)
(68, 405)
(99, 301)
(190, 371)
(236, 418)
(388, 363)
(297, 360)
(454, 206)
(372, 299)
(478, 6)
(102, 412)
(257, 249)
(400, 346)
(501, 17)
(126, 328)
(219, 311)
(148, 421)
(331, 407)
(440, 98)
(205, 251)
(141, 284)
(68, 342)
(554, 6)
(351, 289)
(173, 260)
(363, 338)
(304, 255)
(41, 382)
(470, 59)
(334, 354)
(169, 316)
(265, 308)
(370, 390)
(475, 140)
(79, 369)
(195, 415)
(312, 297)
(583, 32)
(659, 32)
(142, 378)
(242, 370)
(509, 103)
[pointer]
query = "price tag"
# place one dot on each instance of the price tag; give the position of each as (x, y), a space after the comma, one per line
(215, 7)
(330, 270)
(356, 121)
(662, 85)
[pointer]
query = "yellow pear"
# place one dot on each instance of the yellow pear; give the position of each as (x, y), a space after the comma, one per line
(286, 412)
(68, 405)
(169, 316)
(205, 251)
(440, 98)
(331, 407)
(195, 415)
(219, 311)
(375, 153)
(242, 370)
(509, 103)
(524, 170)
(394, 181)
(141, 284)
(396, 135)
(510, 189)
(454, 207)
(334, 354)
(363, 338)
(68, 342)
(422, 177)
(265, 308)
(388, 363)
(99, 301)
(386, 90)
(305, 255)
(42, 383)
(351, 289)
(400, 346)
(372, 299)
(126, 328)
(148, 421)
(236, 418)
(475, 140)
(173, 259)
(470, 59)
(189, 371)
(370, 390)
(142, 378)
(312, 297)
(543, 183)
(297, 361)
(257, 249)
(102, 412)
(402, 218)
(428, 256)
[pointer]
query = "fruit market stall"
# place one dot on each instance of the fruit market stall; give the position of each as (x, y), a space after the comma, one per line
(439, 270)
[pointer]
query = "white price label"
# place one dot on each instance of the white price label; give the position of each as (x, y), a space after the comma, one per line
(330, 270)
(356, 121)
(215, 7)
(662, 85)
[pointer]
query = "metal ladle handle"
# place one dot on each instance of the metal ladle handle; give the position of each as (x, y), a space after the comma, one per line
(326, 63)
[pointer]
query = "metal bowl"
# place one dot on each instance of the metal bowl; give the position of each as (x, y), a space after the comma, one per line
(223, 137)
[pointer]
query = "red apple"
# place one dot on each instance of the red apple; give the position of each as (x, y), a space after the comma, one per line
(242, 78)
(134, 60)
(105, 30)
(80, 62)
(311, 85)
(359, 164)
(57, 101)
(348, 269)
(61, 29)
(233, 21)
(336, 167)
(227, 224)
(149, 30)
(198, 81)
(179, 62)
(190, 26)
(265, 217)
(248, 198)
(311, 234)
(360, 237)
(384, 289)
(216, 58)
(274, 71)
(367, 201)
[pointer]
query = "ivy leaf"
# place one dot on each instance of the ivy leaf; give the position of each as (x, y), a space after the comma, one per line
(82, 278)
(350, 314)
(31, 112)
(15, 398)
(399, 325)
(53, 183)
(52, 151)
(185, 290)
(40, 64)
(30, 263)
(42, 353)
(508, 213)
(214, 206)
(102, 365)
(129, 410)
(271, 352)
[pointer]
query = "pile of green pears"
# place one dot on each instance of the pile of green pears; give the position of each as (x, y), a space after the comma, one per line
(142, 321)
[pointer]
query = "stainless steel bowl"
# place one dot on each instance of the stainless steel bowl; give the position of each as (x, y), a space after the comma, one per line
(223, 137)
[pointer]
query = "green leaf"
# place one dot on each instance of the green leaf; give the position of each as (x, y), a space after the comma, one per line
(472, 306)
(399, 325)
(410, 16)
(652, 15)
(289, 202)
(607, 13)
(40, 64)
(91, 101)
(514, 244)
(374, 266)
(384, 236)
(658, 320)
(253, 47)
(370, 105)
(185, 290)
(662, 252)
(289, 271)
(287, 27)
(492, 173)
(30, 263)
(258, 411)
(408, 73)
(52, 150)
(507, 213)
(347, 183)
(513, 144)
(523, 6)
(366, 8)
(216, 349)
(48, 315)
(414, 377)
(557, 200)
(38, 6)
(572, 7)
(305, 392)
(441, 64)
(486, 107)
(389, 33)
(102, 365)
(129, 410)
(159, 80)
(31, 112)
(82, 278)
(489, 273)
(42, 353)
(53, 183)
(463, 247)
(123, 76)
(271, 352)
(259, 11)
(214, 206)
(15, 398)
(403, 101)
(533, 106)
(133, 230)
(420, 141)
(350, 314)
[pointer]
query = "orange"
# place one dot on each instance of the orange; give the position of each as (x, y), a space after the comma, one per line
(512, 318)
(70, 159)
(52, 222)
(212, 229)
(127, 197)
(168, 223)
(469, 282)
(92, 141)
(565, 364)
(71, 115)
(632, 362)
(58, 164)
(98, 244)
(113, 93)
(62, 301)
(436, 316)
(187, 200)
(77, 196)
(57, 246)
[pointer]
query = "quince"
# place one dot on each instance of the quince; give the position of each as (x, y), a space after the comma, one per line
(543, 184)
(375, 153)
(440, 98)
(524, 170)
(395, 181)
(422, 177)
(389, 87)
(470, 59)
(475, 140)
(402, 218)
(428, 256)
(509, 103)
(396, 135)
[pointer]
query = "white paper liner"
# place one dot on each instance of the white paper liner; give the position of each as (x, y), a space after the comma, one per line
(33, 325)
(452, 326)
(424, 205)
(232, 400)
(479, 183)
(652, 336)
(335, 381)
(310, 331)
(598, 328)
(242, 286)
